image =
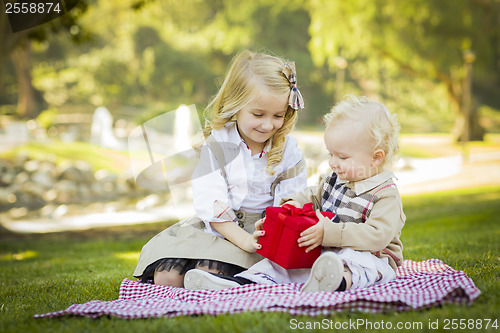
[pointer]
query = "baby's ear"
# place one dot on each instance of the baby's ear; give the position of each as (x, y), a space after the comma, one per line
(378, 157)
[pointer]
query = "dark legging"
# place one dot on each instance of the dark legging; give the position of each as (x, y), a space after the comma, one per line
(183, 265)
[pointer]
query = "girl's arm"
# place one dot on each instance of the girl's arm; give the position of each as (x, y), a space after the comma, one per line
(212, 203)
(210, 190)
(239, 237)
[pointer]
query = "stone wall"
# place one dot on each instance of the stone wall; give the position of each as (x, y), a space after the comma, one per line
(28, 185)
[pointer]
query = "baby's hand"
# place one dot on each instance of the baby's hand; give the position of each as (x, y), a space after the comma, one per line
(313, 236)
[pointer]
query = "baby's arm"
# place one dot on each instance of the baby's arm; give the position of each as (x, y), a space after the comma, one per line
(384, 223)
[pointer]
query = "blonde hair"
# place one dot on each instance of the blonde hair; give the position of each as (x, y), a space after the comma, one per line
(382, 126)
(249, 72)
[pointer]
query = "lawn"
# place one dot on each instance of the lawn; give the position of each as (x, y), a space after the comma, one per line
(45, 273)
(97, 157)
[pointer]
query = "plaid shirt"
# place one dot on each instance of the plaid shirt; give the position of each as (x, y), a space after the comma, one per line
(348, 204)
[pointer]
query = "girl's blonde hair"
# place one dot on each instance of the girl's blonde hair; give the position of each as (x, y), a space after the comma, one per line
(382, 126)
(248, 74)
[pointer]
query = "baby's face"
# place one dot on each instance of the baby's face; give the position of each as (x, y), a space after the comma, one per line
(351, 151)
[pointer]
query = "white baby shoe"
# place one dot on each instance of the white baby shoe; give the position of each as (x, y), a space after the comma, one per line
(327, 273)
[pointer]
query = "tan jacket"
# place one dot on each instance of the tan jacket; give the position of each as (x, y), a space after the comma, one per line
(380, 232)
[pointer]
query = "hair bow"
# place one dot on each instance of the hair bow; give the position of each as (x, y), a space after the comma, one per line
(295, 100)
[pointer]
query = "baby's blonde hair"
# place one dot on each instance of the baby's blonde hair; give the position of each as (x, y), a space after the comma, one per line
(249, 72)
(382, 126)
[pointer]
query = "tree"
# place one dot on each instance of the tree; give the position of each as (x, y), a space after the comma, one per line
(384, 39)
(16, 46)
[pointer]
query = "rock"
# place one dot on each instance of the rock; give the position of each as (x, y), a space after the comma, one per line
(50, 195)
(29, 200)
(21, 159)
(18, 212)
(84, 191)
(71, 173)
(21, 178)
(122, 188)
(43, 178)
(104, 176)
(32, 184)
(7, 199)
(86, 170)
(33, 188)
(7, 177)
(66, 191)
(47, 210)
(31, 165)
(59, 211)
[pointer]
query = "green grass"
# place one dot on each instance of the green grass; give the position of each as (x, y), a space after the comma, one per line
(97, 157)
(44, 273)
(431, 145)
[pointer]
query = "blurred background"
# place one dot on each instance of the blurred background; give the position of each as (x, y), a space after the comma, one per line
(73, 90)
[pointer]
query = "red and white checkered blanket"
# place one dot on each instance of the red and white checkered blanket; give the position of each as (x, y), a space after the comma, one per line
(418, 285)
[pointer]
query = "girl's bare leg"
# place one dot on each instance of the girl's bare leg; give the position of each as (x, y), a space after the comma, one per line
(169, 278)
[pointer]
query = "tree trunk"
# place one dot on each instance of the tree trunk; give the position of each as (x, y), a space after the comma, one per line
(455, 96)
(476, 131)
(27, 104)
(3, 61)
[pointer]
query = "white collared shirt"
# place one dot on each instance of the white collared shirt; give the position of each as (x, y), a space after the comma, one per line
(368, 184)
(248, 183)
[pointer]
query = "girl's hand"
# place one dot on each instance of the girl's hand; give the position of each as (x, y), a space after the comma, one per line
(256, 236)
(258, 231)
(313, 236)
(259, 224)
(239, 237)
(251, 245)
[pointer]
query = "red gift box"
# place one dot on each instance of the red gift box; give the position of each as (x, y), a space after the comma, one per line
(282, 227)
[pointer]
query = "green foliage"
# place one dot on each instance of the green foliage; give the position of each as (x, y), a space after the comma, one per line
(404, 42)
(9, 110)
(46, 118)
(66, 23)
(44, 273)
(143, 53)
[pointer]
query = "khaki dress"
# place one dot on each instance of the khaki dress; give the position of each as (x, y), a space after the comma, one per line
(187, 239)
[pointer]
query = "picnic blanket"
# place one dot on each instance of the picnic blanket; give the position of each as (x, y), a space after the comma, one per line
(418, 285)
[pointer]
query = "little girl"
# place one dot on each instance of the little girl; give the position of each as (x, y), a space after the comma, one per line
(252, 164)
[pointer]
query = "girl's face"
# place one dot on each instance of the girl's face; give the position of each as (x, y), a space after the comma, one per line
(352, 155)
(261, 119)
